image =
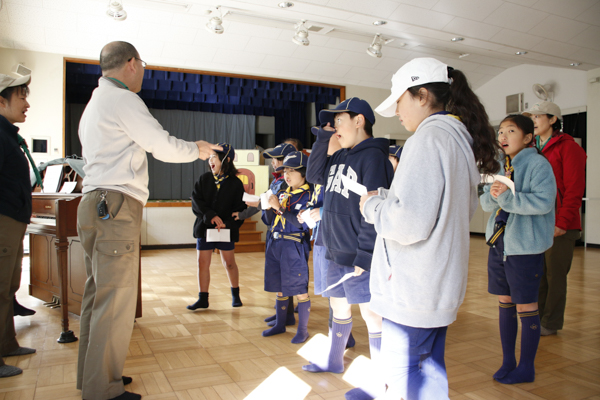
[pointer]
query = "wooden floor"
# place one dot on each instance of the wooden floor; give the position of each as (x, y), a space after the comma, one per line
(219, 353)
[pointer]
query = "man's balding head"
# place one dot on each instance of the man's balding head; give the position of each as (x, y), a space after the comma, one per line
(115, 54)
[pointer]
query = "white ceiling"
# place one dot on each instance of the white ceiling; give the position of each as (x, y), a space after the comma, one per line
(257, 38)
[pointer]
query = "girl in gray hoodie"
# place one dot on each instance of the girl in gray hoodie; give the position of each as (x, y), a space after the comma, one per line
(420, 260)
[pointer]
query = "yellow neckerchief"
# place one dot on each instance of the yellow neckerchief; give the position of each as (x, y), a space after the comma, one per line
(219, 179)
(288, 193)
(315, 196)
(508, 172)
(454, 116)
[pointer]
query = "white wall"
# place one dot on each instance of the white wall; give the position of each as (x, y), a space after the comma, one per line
(45, 117)
(569, 86)
(593, 161)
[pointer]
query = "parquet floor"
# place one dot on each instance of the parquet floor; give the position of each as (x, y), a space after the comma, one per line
(219, 353)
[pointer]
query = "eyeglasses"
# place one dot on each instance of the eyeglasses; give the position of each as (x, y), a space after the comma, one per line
(139, 59)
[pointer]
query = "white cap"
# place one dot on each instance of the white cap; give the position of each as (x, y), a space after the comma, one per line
(7, 81)
(416, 72)
(544, 107)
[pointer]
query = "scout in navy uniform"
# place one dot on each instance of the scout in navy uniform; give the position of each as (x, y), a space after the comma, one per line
(217, 194)
(394, 157)
(349, 239)
(276, 154)
(520, 229)
(288, 246)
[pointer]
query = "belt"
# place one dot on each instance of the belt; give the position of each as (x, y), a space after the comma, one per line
(296, 237)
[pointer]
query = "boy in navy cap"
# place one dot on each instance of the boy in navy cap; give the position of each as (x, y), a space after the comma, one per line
(276, 154)
(349, 239)
(394, 156)
(288, 246)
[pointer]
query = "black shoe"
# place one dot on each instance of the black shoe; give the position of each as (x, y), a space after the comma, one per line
(127, 380)
(235, 297)
(201, 303)
(128, 396)
(20, 310)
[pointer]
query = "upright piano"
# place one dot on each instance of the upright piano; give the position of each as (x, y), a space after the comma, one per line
(56, 255)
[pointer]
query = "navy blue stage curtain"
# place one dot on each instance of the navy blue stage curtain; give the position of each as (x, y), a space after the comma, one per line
(291, 123)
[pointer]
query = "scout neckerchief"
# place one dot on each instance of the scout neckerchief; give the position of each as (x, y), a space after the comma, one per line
(501, 215)
(219, 179)
(446, 113)
(118, 82)
(286, 196)
(315, 196)
(23, 145)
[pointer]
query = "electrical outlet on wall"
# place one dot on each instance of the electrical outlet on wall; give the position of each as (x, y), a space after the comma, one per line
(526, 105)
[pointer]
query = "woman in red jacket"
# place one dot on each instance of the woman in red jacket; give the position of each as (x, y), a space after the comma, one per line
(568, 163)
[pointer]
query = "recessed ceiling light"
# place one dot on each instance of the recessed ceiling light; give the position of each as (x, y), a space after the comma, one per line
(457, 39)
(285, 4)
(520, 53)
(575, 64)
(379, 23)
(463, 55)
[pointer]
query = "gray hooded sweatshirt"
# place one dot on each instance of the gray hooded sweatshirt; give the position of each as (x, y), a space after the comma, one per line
(421, 255)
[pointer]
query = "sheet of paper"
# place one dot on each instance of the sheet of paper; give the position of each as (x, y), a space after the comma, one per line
(213, 235)
(343, 279)
(52, 178)
(264, 199)
(250, 197)
(68, 187)
(354, 186)
(500, 178)
(308, 219)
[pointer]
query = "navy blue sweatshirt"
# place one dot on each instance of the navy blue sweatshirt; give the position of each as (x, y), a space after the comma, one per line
(15, 186)
(349, 239)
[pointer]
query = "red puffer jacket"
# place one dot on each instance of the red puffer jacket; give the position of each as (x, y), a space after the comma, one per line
(568, 162)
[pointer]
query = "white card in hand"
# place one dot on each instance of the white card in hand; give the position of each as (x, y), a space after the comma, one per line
(213, 235)
(264, 199)
(250, 197)
(308, 219)
(354, 186)
(500, 178)
(344, 278)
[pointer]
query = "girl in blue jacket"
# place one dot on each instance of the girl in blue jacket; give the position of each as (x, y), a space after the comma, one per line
(520, 230)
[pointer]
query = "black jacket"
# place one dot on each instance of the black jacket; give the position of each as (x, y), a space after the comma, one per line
(208, 202)
(15, 186)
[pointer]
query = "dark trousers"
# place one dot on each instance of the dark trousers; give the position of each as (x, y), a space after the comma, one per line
(553, 287)
(11, 258)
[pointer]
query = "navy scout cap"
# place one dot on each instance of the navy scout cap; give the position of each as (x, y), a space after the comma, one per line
(353, 104)
(395, 150)
(228, 150)
(279, 151)
(295, 160)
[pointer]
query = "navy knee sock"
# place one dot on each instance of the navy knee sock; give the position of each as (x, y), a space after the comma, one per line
(339, 337)
(280, 314)
(303, 315)
(530, 338)
(373, 389)
(508, 336)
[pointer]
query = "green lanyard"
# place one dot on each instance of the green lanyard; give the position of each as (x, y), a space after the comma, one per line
(23, 145)
(118, 81)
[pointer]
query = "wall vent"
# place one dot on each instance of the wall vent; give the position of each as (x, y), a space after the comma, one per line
(514, 103)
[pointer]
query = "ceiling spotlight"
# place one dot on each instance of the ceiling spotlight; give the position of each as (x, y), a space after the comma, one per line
(285, 4)
(374, 50)
(463, 55)
(457, 39)
(301, 36)
(575, 64)
(115, 10)
(215, 24)
(379, 23)
(520, 53)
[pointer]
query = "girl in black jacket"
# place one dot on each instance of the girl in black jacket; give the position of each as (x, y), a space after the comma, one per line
(217, 195)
